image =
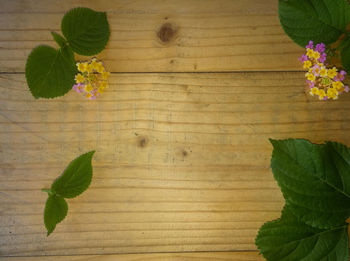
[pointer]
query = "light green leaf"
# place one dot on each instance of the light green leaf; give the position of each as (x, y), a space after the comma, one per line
(86, 30)
(50, 72)
(76, 178)
(317, 20)
(288, 239)
(56, 209)
(314, 180)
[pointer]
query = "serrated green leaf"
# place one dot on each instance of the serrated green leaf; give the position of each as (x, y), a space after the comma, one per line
(50, 72)
(313, 180)
(56, 209)
(288, 239)
(76, 178)
(317, 20)
(86, 30)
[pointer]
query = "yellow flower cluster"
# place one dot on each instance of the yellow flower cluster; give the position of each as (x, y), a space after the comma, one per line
(326, 83)
(92, 78)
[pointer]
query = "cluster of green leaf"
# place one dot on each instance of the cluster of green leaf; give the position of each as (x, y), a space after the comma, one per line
(315, 182)
(322, 21)
(50, 72)
(74, 180)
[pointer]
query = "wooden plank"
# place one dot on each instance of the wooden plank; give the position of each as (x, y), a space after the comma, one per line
(182, 161)
(219, 256)
(160, 35)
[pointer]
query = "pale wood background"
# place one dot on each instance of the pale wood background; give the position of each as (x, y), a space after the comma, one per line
(182, 164)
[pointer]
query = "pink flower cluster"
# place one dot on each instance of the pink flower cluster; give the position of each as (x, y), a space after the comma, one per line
(326, 83)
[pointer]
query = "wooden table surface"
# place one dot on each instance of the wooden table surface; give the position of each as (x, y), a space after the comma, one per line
(181, 170)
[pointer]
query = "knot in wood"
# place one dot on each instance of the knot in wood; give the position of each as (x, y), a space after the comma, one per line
(166, 33)
(142, 141)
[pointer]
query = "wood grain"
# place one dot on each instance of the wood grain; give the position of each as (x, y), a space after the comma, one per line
(160, 35)
(219, 256)
(182, 161)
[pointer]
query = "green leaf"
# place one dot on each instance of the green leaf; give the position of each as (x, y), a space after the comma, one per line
(76, 178)
(86, 30)
(50, 72)
(317, 20)
(345, 53)
(56, 209)
(339, 156)
(288, 239)
(314, 180)
(59, 39)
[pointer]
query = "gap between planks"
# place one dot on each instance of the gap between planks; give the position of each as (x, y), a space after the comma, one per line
(243, 255)
(184, 72)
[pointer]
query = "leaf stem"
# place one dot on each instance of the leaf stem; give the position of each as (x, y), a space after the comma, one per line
(48, 191)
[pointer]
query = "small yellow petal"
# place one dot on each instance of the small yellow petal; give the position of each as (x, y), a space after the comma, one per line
(316, 55)
(337, 85)
(310, 53)
(99, 67)
(88, 88)
(94, 65)
(307, 64)
(105, 75)
(79, 78)
(103, 85)
(323, 72)
(82, 66)
(89, 68)
(332, 93)
(332, 72)
(310, 76)
(321, 94)
(314, 91)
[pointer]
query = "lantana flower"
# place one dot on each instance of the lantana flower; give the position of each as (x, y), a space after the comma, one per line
(326, 83)
(92, 78)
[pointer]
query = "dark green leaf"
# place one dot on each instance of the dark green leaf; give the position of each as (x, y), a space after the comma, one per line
(288, 239)
(76, 178)
(86, 30)
(56, 209)
(345, 53)
(317, 20)
(50, 72)
(59, 39)
(314, 180)
(339, 156)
